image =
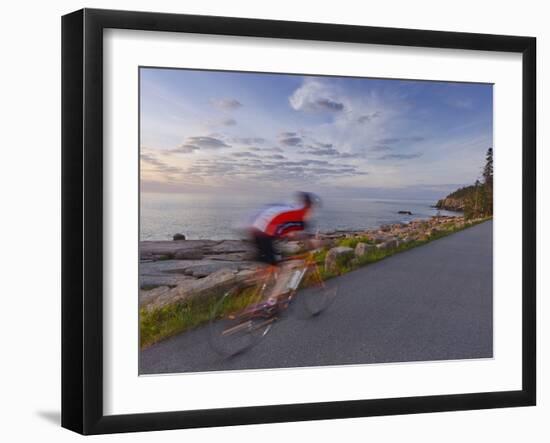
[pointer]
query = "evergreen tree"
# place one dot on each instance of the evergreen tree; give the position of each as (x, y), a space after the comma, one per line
(488, 182)
(488, 169)
(477, 198)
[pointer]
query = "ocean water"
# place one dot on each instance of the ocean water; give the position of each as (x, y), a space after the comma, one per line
(226, 216)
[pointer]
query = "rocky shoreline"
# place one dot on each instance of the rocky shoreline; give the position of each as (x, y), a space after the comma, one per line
(176, 271)
(451, 204)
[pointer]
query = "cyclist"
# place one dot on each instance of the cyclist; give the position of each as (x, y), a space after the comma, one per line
(279, 222)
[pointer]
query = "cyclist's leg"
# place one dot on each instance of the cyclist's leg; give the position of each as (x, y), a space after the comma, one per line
(265, 248)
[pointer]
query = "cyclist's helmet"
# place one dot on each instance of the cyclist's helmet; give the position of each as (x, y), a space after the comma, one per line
(309, 199)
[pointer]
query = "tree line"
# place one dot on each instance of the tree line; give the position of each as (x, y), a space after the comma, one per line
(478, 200)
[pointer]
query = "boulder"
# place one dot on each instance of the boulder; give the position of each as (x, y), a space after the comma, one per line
(338, 256)
(149, 297)
(319, 243)
(378, 238)
(213, 285)
(178, 236)
(362, 249)
(388, 244)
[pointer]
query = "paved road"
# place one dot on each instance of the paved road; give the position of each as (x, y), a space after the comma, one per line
(433, 302)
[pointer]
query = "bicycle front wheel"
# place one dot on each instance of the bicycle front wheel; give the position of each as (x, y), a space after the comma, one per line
(238, 322)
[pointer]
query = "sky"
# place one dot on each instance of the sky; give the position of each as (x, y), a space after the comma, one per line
(213, 131)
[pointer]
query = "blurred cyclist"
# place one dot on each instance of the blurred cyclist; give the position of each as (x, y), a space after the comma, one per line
(281, 222)
(277, 222)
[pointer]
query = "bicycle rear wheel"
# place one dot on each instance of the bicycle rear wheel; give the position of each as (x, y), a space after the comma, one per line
(238, 321)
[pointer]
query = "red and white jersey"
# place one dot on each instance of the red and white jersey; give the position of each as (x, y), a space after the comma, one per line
(280, 220)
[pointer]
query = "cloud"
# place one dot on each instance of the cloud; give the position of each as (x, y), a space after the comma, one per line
(394, 140)
(244, 154)
(291, 141)
(159, 166)
(329, 104)
(184, 149)
(351, 155)
(366, 118)
(193, 144)
(226, 104)
(288, 134)
(152, 160)
(229, 122)
(206, 142)
(314, 96)
(314, 162)
(380, 148)
(248, 140)
(274, 167)
(324, 151)
(388, 141)
(461, 103)
(320, 149)
(324, 145)
(272, 149)
(400, 156)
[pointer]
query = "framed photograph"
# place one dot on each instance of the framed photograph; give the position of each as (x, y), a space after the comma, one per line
(269, 221)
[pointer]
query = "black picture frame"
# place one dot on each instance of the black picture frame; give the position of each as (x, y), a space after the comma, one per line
(82, 219)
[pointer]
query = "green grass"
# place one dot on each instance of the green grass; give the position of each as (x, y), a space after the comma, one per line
(164, 322)
(351, 242)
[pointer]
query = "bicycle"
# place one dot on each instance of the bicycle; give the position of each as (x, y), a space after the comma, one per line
(246, 313)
